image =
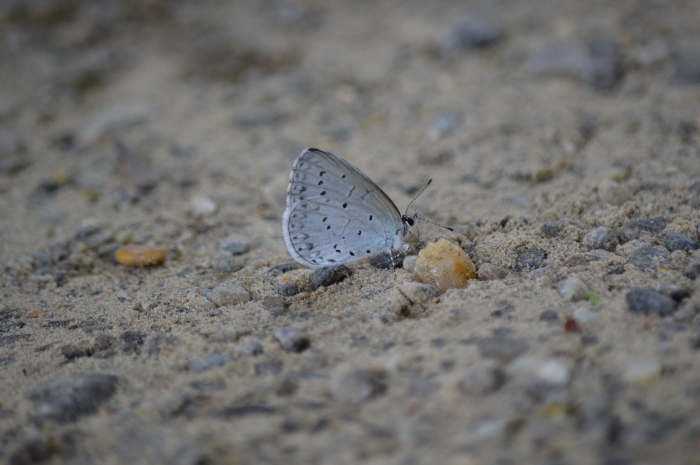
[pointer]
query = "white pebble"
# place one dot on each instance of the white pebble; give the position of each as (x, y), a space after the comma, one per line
(643, 372)
(202, 205)
(585, 315)
(229, 294)
(572, 289)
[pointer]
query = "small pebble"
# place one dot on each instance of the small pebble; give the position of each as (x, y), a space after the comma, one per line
(329, 275)
(282, 268)
(472, 33)
(225, 261)
(549, 315)
(131, 341)
(275, 305)
(637, 228)
(386, 260)
(585, 315)
(229, 294)
(643, 373)
(207, 363)
(615, 193)
(554, 228)
(291, 340)
(692, 270)
(444, 265)
(253, 348)
(601, 238)
(66, 399)
(443, 125)
(202, 205)
(553, 371)
(355, 386)
(649, 258)
(649, 302)
(286, 289)
(481, 379)
(676, 291)
(489, 272)
(677, 241)
(501, 348)
(234, 247)
(573, 289)
(140, 255)
(530, 259)
(409, 263)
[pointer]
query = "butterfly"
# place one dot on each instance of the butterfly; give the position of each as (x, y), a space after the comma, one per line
(336, 214)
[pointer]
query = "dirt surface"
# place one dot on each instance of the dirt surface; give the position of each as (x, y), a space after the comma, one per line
(176, 124)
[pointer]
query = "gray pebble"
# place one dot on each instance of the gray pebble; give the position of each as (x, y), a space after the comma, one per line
(283, 268)
(601, 238)
(444, 125)
(649, 258)
(275, 305)
(12, 338)
(501, 348)
(131, 341)
(604, 68)
(253, 348)
(268, 368)
(687, 70)
(549, 315)
(676, 291)
(355, 386)
(489, 271)
(234, 247)
(72, 352)
(554, 228)
(207, 363)
(229, 294)
(68, 398)
(472, 33)
(573, 289)
(386, 260)
(530, 259)
(329, 275)
(32, 448)
(649, 301)
(225, 261)
(637, 228)
(481, 379)
(677, 241)
(692, 270)
(291, 340)
(286, 289)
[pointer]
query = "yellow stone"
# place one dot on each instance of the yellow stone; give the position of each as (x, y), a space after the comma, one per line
(444, 265)
(140, 255)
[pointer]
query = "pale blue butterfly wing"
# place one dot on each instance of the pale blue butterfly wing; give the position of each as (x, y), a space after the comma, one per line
(336, 214)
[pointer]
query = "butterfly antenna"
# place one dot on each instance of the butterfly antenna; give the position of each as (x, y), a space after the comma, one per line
(416, 214)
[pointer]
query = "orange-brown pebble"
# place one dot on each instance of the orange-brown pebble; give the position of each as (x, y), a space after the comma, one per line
(140, 255)
(33, 314)
(444, 265)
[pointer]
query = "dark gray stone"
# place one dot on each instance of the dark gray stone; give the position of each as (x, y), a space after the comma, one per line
(12, 338)
(649, 302)
(72, 352)
(355, 386)
(604, 68)
(6, 361)
(284, 268)
(207, 363)
(33, 448)
(291, 340)
(554, 228)
(549, 315)
(472, 33)
(275, 305)
(687, 67)
(237, 411)
(503, 349)
(530, 259)
(286, 289)
(691, 271)
(649, 258)
(676, 291)
(329, 275)
(637, 228)
(7, 327)
(601, 238)
(68, 398)
(387, 260)
(677, 241)
(131, 341)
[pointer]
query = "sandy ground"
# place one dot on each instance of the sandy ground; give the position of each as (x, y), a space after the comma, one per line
(176, 124)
